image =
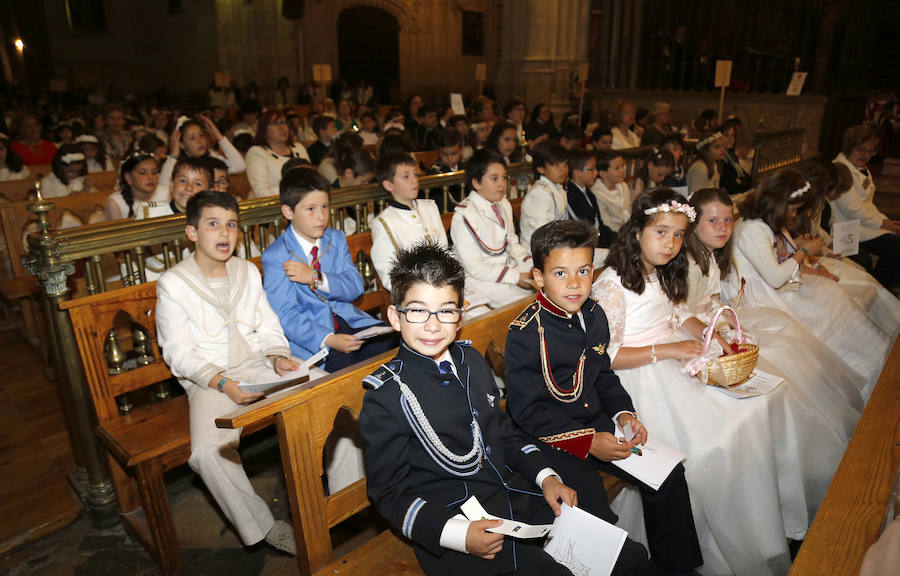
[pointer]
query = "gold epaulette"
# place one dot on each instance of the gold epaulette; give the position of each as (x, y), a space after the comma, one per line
(525, 317)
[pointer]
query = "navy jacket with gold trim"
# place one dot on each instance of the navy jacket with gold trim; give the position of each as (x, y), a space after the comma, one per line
(543, 397)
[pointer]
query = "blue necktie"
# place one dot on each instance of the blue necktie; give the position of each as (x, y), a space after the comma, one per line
(445, 367)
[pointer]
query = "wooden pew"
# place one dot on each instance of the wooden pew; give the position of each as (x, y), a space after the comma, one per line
(850, 516)
(305, 421)
(19, 190)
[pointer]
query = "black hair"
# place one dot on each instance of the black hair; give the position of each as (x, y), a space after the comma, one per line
(217, 164)
(692, 243)
(605, 158)
(546, 153)
(14, 162)
(357, 160)
(195, 164)
(658, 157)
(243, 142)
(57, 165)
(395, 141)
(672, 138)
(512, 103)
(297, 183)
(560, 234)
(572, 133)
(128, 165)
(426, 109)
(449, 137)
(148, 143)
(770, 200)
(293, 163)
(387, 166)
(578, 159)
(100, 156)
(600, 131)
(207, 198)
(250, 106)
(320, 123)
(478, 165)
(494, 137)
(426, 263)
(625, 253)
(703, 153)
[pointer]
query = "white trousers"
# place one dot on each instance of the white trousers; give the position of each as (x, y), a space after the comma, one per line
(215, 458)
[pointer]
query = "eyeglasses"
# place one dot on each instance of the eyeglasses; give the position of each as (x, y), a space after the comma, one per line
(421, 316)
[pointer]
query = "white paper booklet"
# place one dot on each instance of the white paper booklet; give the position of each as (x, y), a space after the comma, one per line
(372, 332)
(583, 543)
(757, 384)
(474, 511)
(653, 465)
(292, 379)
(846, 237)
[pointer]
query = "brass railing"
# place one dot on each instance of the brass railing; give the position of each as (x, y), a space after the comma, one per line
(55, 257)
(774, 150)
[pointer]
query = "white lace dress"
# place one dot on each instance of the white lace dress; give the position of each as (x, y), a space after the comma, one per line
(819, 304)
(747, 467)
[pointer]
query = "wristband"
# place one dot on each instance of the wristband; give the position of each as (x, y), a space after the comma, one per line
(653, 357)
(805, 251)
(221, 384)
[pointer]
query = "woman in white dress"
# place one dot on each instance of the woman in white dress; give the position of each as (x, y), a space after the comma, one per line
(787, 349)
(274, 146)
(882, 307)
(743, 458)
(769, 271)
(623, 119)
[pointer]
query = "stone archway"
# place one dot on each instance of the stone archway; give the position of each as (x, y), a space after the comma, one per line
(369, 47)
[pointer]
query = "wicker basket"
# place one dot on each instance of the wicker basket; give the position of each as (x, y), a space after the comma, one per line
(731, 370)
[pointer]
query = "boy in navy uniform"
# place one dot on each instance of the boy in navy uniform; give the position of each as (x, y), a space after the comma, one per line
(435, 435)
(562, 392)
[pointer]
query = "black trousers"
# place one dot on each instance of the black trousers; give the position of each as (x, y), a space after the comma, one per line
(887, 248)
(670, 526)
(373, 347)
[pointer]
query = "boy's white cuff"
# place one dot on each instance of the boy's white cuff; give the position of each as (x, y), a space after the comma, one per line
(453, 536)
(543, 475)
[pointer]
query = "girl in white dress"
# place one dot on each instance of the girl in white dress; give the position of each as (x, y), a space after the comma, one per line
(67, 173)
(882, 307)
(138, 181)
(704, 171)
(743, 458)
(193, 137)
(94, 153)
(823, 381)
(768, 272)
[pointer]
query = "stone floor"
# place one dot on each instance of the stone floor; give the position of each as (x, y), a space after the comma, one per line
(209, 545)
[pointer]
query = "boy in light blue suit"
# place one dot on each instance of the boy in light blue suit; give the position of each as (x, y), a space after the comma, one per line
(311, 280)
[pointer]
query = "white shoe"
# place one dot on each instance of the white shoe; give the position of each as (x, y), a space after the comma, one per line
(281, 537)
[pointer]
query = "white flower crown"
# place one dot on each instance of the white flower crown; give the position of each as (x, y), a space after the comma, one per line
(709, 140)
(73, 157)
(800, 191)
(674, 206)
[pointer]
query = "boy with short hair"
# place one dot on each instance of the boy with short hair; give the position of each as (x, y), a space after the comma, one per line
(428, 129)
(545, 201)
(326, 131)
(484, 235)
(613, 194)
(602, 139)
(311, 280)
(571, 135)
(562, 392)
(450, 148)
(220, 181)
(582, 202)
(407, 219)
(425, 409)
(189, 176)
(216, 328)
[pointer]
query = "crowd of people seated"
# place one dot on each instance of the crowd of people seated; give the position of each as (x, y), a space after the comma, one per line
(668, 248)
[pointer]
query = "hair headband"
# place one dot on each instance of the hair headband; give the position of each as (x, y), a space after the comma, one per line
(72, 157)
(800, 191)
(709, 140)
(181, 120)
(673, 206)
(87, 138)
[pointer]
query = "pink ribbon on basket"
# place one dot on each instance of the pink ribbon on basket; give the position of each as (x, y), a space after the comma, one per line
(697, 365)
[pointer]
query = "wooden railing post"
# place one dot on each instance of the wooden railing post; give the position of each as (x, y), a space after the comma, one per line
(91, 478)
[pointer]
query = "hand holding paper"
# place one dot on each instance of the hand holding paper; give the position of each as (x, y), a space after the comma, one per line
(474, 512)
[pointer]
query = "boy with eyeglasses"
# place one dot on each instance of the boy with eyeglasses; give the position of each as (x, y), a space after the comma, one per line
(435, 435)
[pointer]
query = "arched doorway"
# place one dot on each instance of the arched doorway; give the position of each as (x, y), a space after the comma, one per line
(368, 47)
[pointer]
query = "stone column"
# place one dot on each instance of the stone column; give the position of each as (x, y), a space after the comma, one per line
(544, 41)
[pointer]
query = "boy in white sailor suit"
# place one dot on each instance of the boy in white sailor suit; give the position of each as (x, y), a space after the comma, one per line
(407, 219)
(561, 391)
(484, 234)
(546, 200)
(215, 329)
(435, 435)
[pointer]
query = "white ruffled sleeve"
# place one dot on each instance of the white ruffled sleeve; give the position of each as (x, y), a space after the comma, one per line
(755, 242)
(608, 291)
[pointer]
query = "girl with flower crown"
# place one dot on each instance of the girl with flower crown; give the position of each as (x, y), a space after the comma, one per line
(704, 171)
(746, 464)
(769, 272)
